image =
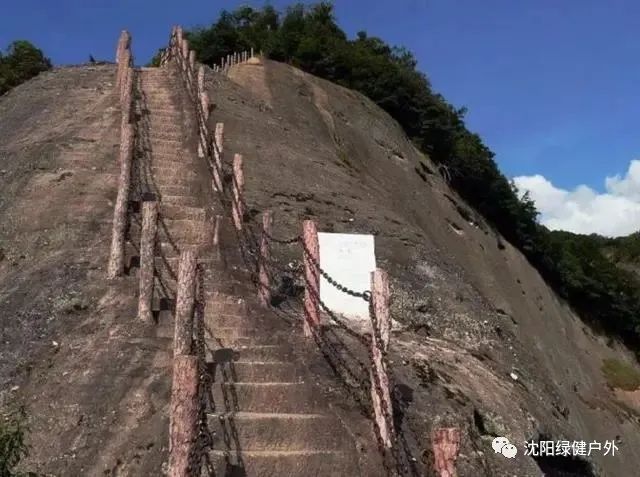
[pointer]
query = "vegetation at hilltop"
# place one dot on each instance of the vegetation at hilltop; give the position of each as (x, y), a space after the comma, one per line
(21, 62)
(309, 38)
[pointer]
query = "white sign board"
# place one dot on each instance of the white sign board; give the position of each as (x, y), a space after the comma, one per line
(349, 259)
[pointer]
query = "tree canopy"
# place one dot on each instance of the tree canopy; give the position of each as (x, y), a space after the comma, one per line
(21, 62)
(310, 38)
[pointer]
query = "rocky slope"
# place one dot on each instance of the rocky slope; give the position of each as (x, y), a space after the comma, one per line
(472, 313)
(473, 310)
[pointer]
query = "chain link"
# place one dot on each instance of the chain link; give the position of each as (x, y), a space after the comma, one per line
(366, 295)
(290, 241)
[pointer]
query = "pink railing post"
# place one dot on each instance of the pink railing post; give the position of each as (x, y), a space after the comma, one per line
(381, 326)
(216, 230)
(238, 192)
(311, 258)
(201, 78)
(264, 287)
(116, 255)
(185, 303)
(125, 61)
(147, 256)
(184, 416)
(217, 157)
(446, 445)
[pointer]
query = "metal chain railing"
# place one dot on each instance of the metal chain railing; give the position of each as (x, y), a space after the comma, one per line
(249, 245)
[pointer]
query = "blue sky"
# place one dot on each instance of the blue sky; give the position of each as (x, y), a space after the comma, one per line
(552, 86)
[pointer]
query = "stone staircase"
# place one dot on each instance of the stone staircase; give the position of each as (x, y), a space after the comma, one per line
(266, 415)
(168, 171)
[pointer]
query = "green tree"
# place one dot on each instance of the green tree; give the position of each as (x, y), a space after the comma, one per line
(21, 62)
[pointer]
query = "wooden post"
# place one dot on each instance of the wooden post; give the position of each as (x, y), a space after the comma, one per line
(216, 230)
(252, 52)
(217, 156)
(184, 416)
(264, 287)
(123, 43)
(147, 255)
(446, 445)
(185, 303)
(116, 256)
(204, 104)
(312, 277)
(201, 78)
(380, 395)
(238, 192)
(125, 60)
(127, 95)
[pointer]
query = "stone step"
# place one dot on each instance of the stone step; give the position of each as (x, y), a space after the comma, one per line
(179, 230)
(178, 212)
(153, 118)
(169, 278)
(155, 135)
(266, 353)
(164, 111)
(181, 173)
(179, 200)
(214, 320)
(231, 306)
(174, 158)
(294, 397)
(161, 126)
(279, 432)
(304, 463)
(162, 180)
(256, 340)
(162, 141)
(165, 150)
(182, 190)
(172, 250)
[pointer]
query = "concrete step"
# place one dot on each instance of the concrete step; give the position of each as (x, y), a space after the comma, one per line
(285, 463)
(292, 397)
(280, 432)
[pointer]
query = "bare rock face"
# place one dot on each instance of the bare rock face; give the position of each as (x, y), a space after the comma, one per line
(480, 342)
(483, 343)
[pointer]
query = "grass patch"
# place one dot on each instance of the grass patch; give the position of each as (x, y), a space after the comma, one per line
(621, 375)
(13, 446)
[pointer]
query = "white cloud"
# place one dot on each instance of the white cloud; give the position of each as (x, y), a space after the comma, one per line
(612, 213)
